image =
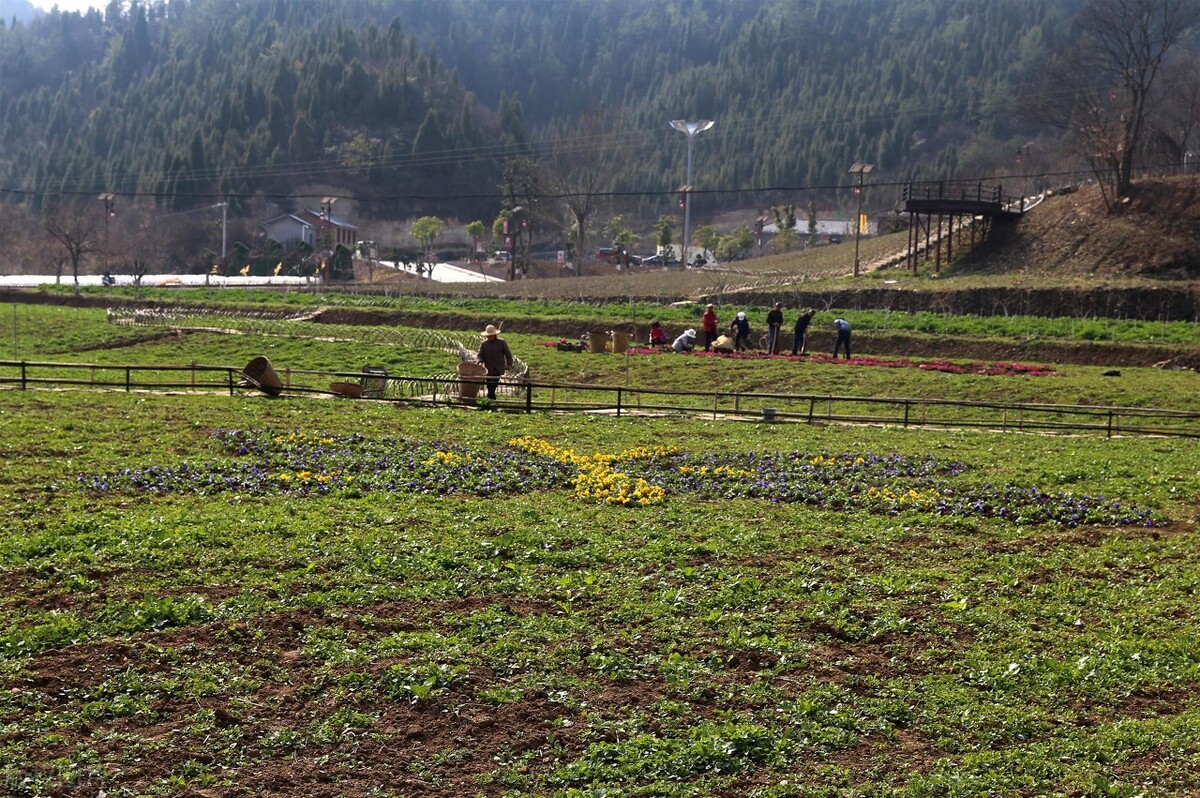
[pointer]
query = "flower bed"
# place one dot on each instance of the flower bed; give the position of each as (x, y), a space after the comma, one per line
(300, 464)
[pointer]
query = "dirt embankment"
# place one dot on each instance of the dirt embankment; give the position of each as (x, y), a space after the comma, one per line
(1166, 303)
(866, 341)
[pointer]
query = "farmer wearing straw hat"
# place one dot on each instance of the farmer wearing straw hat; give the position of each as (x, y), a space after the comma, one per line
(495, 356)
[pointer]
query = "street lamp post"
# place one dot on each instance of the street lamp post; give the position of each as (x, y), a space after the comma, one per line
(224, 206)
(859, 169)
(109, 201)
(691, 130)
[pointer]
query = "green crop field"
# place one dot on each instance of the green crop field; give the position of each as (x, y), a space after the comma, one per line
(213, 595)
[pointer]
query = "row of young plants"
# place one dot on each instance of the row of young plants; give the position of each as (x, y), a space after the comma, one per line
(617, 313)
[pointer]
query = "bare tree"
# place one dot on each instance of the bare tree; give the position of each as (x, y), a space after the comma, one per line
(1102, 91)
(581, 167)
(139, 242)
(1178, 117)
(73, 228)
(19, 241)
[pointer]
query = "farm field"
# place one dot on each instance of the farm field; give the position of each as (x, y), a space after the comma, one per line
(82, 335)
(213, 595)
(207, 595)
(568, 314)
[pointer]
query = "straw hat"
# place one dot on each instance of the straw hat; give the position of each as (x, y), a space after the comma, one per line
(490, 330)
(708, 306)
(690, 333)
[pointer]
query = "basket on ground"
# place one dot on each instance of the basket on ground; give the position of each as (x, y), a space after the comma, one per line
(470, 378)
(261, 374)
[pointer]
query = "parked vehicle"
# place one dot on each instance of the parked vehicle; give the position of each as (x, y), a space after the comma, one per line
(657, 260)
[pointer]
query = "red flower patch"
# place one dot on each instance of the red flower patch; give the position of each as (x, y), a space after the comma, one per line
(971, 367)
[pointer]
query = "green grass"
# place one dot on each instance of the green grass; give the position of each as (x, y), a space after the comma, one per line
(81, 335)
(619, 312)
(397, 641)
(436, 638)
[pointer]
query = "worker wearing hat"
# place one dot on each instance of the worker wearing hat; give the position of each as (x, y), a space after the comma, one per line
(740, 327)
(495, 356)
(685, 342)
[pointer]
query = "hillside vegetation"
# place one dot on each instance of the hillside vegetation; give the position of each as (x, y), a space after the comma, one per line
(405, 105)
(1152, 236)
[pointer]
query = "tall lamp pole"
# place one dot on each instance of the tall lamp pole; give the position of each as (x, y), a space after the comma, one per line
(109, 201)
(224, 206)
(691, 130)
(859, 169)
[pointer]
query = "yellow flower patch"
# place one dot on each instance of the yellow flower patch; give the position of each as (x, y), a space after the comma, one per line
(598, 480)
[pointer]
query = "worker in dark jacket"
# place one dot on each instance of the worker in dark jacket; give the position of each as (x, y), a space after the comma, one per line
(740, 327)
(774, 328)
(495, 356)
(800, 332)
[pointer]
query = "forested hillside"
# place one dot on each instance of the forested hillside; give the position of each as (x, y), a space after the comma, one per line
(413, 105)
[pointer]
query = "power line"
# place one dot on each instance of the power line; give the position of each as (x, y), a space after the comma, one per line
(778, 121)
(549, 196)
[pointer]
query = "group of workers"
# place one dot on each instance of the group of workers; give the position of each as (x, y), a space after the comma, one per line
(737, 339)
(496, 357)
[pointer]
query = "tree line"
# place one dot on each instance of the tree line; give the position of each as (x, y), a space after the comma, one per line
(472, 109)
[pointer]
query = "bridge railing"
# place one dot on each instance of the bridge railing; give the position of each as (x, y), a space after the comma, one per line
(952, 190)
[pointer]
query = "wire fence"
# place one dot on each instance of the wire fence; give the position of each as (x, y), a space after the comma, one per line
(294, 325)
(519, 394)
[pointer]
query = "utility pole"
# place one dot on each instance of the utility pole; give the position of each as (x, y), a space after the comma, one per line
(859, 169)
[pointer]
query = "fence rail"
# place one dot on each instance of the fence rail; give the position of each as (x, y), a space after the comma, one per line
(529, 396)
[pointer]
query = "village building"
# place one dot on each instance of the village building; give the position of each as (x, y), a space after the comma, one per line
(314, 228)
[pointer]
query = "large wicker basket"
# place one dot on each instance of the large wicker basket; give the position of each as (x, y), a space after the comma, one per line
(261, 374)
(470, 379)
